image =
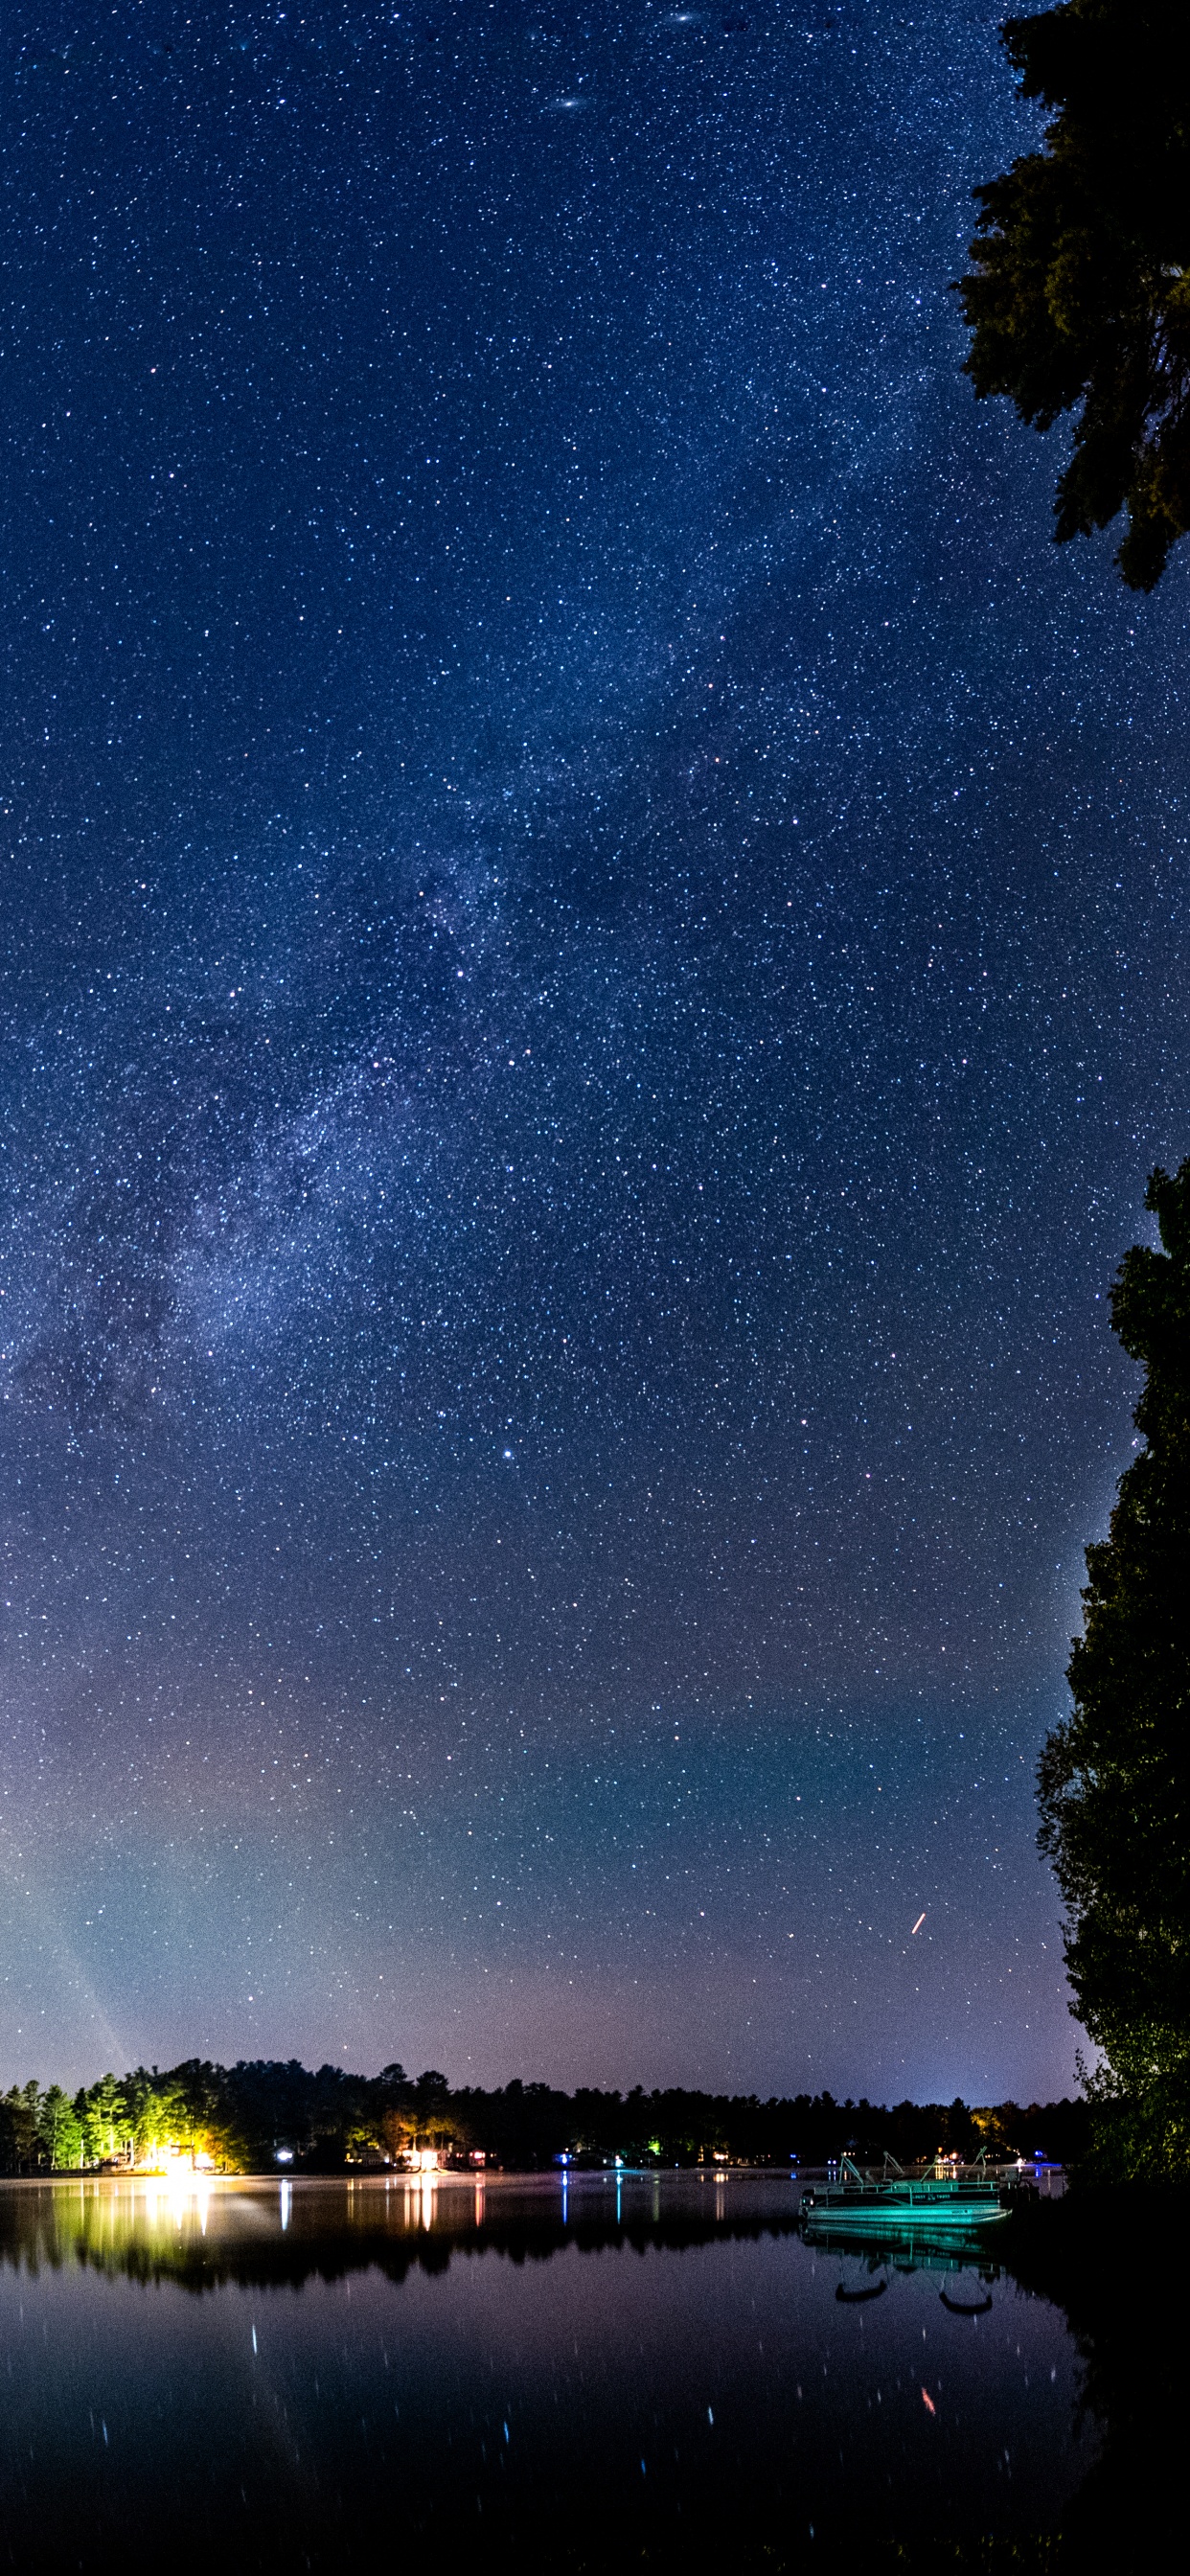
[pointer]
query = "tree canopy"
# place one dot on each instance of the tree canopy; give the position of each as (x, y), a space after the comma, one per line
(1079, 295)
(1115, 1777)
(328, 2120)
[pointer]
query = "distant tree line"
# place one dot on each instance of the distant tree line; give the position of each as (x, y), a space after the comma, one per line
(248, 2117)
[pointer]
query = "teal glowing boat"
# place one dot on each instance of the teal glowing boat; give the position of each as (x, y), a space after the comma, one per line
(942, 2196)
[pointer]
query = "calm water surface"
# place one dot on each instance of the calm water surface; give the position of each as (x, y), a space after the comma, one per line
(616, 2373)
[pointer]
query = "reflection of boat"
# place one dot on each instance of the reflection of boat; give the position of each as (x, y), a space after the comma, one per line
(908, 2248)
(942, 2197)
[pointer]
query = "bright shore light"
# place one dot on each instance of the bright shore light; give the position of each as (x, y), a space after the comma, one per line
(173, 2166)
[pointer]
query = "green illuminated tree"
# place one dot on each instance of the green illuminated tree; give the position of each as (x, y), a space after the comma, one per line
(198, 2111)
(157, 2113)
(60, 2130)
(1079, 296)
(1115, 1777)
(106, 2128)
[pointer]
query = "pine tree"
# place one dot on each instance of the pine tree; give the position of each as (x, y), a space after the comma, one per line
(1079, 296)
(60, 2130)
(1115, 1777)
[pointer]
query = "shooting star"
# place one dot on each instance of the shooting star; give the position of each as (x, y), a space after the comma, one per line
(917, 1926)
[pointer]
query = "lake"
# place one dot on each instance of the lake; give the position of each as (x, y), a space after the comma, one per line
(613, 2371)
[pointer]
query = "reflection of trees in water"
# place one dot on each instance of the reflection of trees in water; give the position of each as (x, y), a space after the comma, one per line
(1108, 2258)
(1104, 2259)
(327, 2235)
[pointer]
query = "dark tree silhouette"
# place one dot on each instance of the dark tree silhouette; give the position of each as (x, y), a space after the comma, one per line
(1115, 1777)
(1080, 290)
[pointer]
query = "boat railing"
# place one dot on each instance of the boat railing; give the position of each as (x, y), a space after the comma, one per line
(849, 2174)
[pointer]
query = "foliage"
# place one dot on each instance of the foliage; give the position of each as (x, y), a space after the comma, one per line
(20, 2112)
(103, 2116)
(1115, 1776)
(1079, 294)
(323, 2121)
(59, 2131)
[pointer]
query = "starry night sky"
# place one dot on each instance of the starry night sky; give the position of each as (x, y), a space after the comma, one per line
(594, 963)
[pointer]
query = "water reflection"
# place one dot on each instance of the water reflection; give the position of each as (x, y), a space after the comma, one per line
(206, 2232)
(596, 2371)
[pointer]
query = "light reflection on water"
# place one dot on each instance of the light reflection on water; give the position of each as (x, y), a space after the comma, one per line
(586, 2368)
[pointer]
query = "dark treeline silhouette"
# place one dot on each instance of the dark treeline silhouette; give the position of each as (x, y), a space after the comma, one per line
(250, 2117)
